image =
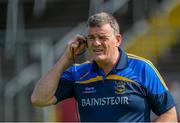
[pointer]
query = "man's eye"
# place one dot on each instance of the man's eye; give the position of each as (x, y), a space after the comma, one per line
(98, 37)
(102, 37)
(90, 37)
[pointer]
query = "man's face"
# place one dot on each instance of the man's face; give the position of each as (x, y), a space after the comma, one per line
(102, 42)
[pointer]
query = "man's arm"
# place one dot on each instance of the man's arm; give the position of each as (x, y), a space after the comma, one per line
(169, 116)
(43, 93)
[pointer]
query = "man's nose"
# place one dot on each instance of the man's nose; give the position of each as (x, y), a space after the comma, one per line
(97, 41)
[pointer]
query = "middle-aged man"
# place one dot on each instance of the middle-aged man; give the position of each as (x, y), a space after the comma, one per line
(113, 86)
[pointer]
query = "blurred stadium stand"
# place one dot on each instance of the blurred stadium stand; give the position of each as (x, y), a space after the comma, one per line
(33, 34)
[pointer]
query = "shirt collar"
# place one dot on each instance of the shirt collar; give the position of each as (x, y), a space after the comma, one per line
(121, 63)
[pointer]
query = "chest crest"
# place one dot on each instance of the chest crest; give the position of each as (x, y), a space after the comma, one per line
(120, 87)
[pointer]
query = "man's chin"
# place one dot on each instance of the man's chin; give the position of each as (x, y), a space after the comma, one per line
(99, 58)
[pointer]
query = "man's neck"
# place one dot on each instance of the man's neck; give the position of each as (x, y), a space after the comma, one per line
(109, 65)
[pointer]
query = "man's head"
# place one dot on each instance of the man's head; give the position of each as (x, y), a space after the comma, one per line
(103, 37)
(103, 18)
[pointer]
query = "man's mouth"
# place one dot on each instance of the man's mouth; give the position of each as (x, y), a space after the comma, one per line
(98, 50)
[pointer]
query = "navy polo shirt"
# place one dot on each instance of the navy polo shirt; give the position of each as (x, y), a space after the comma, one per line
(127, 94)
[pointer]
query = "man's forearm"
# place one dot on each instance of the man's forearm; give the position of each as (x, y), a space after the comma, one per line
(43, 94)
(45, 88)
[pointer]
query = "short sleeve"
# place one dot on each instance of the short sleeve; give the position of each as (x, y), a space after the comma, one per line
(160, 103)
(159, 97)
(65, 88)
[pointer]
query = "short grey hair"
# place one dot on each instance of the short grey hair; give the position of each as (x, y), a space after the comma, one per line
(101, 19)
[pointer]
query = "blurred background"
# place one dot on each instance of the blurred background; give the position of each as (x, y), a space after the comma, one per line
(33, 35)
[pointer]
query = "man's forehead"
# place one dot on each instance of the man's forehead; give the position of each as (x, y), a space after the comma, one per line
(104, 29)
(97, 34)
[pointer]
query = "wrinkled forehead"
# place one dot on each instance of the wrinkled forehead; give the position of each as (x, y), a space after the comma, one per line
(106, 29)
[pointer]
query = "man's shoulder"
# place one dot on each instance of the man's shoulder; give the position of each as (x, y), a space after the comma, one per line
(138, 60)
(83, 66)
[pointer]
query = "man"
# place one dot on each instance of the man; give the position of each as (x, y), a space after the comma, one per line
(114, 86)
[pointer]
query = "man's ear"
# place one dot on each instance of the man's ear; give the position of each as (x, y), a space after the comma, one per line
(119, 39)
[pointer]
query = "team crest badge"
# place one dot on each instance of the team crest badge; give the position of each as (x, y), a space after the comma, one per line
(120, 87)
